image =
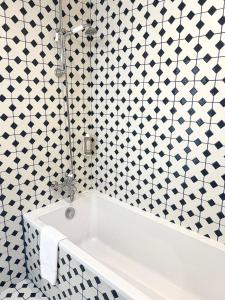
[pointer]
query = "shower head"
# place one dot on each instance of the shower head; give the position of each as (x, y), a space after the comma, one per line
(90, 31)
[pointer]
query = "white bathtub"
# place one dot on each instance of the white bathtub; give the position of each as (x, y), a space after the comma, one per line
(142, 256)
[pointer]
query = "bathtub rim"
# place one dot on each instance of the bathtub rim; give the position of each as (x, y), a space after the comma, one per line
(94, 194)
(109, 276)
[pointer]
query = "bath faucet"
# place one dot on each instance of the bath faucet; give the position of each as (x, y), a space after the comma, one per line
(67, 189)
(70, 184)
(69, 179)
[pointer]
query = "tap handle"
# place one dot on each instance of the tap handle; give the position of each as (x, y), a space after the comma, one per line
(70, 178)
(55, 186)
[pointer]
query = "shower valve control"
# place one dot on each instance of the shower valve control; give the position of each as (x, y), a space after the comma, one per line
(87, 145)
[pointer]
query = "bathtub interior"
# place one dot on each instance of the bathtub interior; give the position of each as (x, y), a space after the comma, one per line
(143, 252)
(74, 282)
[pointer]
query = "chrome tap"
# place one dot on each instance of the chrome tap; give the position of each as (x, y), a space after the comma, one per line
(67, 189)
(70, 185)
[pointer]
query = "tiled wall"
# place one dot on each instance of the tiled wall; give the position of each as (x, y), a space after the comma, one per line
(156, 96)
(34, 130)
(32, 141)
(158, 102)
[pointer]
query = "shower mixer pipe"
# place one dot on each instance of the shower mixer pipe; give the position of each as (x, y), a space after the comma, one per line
(60, 38)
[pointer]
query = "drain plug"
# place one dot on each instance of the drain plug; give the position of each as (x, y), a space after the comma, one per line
(70, 213)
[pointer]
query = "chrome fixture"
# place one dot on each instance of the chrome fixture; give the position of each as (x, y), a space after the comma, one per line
(60, 71)
(67, 189)
(77, 29)
(87, 145)
(89, 30)
(70, 213)
(60, 38)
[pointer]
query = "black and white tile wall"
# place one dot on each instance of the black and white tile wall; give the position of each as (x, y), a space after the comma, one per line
(159, 107)
(34, 130)
(150, 91)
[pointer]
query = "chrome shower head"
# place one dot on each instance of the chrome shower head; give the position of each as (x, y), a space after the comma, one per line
(90, 31)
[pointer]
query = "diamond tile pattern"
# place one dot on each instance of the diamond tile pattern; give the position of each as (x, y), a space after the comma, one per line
(149, 88)
(158, 76)
(24, 290)
(33, 120)
(74, 280)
